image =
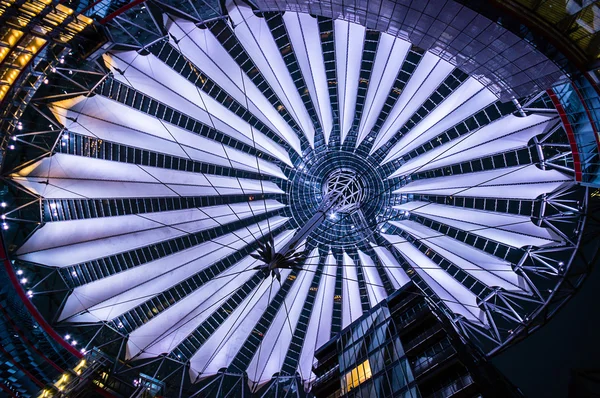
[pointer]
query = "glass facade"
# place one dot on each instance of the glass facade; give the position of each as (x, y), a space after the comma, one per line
(578, 103)
(373, 361)
(402, 349)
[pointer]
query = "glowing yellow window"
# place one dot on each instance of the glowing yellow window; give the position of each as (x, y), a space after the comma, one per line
(358, 375)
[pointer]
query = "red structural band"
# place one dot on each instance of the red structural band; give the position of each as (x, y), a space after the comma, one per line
(120, 11)
(90, 6)
(587, 111)
(21, 368)
(29, 343)
(6, 390)
(570, 133)
(30, 307)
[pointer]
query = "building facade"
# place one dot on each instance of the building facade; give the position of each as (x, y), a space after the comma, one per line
(403, 348)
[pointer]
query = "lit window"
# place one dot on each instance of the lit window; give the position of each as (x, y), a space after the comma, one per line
(358, 375)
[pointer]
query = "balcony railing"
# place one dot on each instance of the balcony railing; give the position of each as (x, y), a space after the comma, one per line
(427, 363)
(453, 387)
(422, 337)
(408, 318)
(326, 376)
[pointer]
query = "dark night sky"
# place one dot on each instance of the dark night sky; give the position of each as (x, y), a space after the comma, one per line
(540, 365)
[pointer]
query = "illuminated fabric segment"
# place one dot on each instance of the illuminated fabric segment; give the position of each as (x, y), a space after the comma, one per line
(254, 35)
(66, 176)
(373, 282)
(464, 101)
(310, 341)
(326, 304)
(234, 330)
(393, 268)
(510, 229)
(109, 297)
(351, 308)
(165, 332)
(521, 182)
(154, 78)
(303, 31)
(391, 52)
(204, 50)
(272, 352)
(430, 72)
(489, 269)
(455, 295)
(349, 41)
(108, 120)
(65, 243)
(510, 132)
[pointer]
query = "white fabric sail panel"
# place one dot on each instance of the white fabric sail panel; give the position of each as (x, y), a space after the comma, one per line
(232, 185)
(256, 38)
(467, 99)
(96, 189)
(351, 304)
(428, 75)
(373, 282)
(505, 134)
(391, 52)
(154, 78)
(510, 229)
(519, 182)
(319, 327)
(309, 346)
(110, 297)
(64, 243)
(392, 268)
(151, 76)
(167, 330)
(324, 303)
(222, 346)
(272, 351)
(303, 32)
(349, 42)
(103, 118)
(490, 270)
(458, 298)
(109, 120)
(70, 176)
(203, 50)
(164, 332)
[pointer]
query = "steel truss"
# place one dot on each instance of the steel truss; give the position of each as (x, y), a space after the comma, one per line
(554, 274)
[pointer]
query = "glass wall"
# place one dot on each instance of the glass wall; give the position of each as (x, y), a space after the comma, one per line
(372, 359)
(578, 104)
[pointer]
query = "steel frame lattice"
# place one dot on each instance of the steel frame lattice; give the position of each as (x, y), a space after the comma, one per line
(553, 273)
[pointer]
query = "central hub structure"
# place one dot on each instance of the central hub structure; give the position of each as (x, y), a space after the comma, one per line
(345, 189)
(344, 192)
(349, 185)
